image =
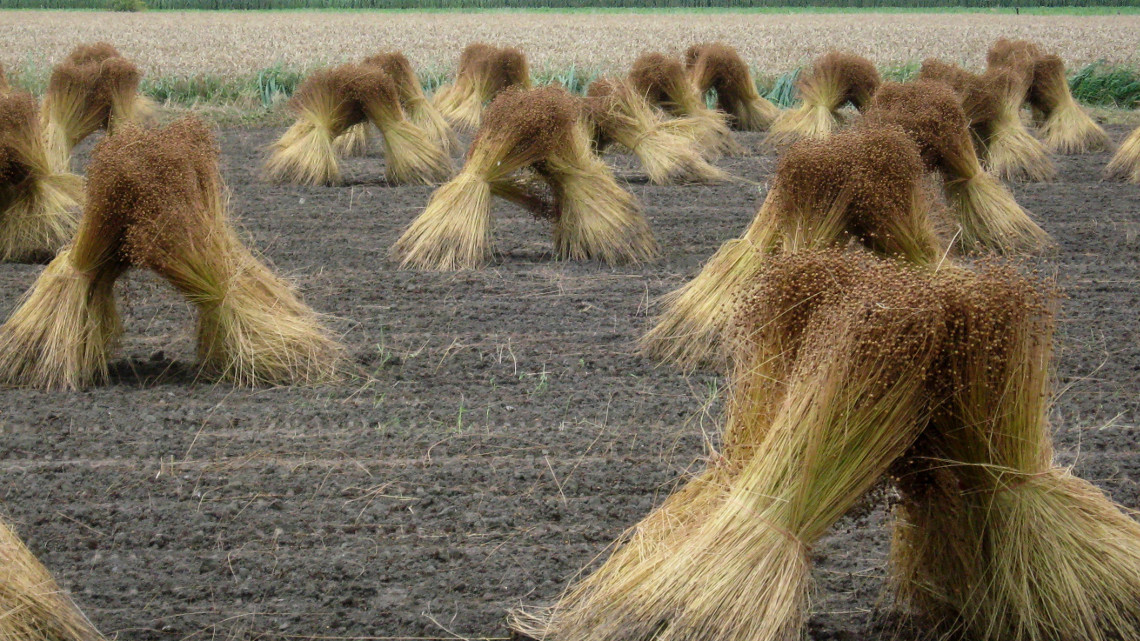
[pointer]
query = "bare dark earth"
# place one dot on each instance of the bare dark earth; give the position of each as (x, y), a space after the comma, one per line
(501, 434)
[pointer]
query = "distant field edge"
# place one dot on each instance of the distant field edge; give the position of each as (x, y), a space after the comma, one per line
(1035, 7)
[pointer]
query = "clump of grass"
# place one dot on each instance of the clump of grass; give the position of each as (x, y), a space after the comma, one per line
(1104, 85)
(573, 79)
(126, 6)
(782, 91)
(277, 83)
(193, 90)
(901, 72)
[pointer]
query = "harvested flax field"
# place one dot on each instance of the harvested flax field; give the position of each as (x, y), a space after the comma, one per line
(498, 431)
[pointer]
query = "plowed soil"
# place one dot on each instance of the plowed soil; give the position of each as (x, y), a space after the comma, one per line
(499, 434)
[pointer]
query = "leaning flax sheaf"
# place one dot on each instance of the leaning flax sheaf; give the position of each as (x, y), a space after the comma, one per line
(326, 107)
(992, 104)
(662, 81)
(1008, 52)
(616, 113)
(39, 207)
(328, 104)
(988, 217)
(156, 201)
(529, 139)
(484, 71)
(420, 111)
(993, 538)
(1064, 125)
(835, 79)
(32, 605)
(936, 379)
(865, 185)
(417, 108)
(1125, 163)
(94, 88)
(727, 557)
(717, 66)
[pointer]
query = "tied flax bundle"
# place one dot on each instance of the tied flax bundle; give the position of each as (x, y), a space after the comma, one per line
(329, 103)
(719, 67)
(32, 605)
(1125, 164)
(616, 113)
(93, 88)
(39, 205)
(992, 104)
(850, 370)
(484, 71)
(662, 81)
(418, 109)
(993, 538)
(1065, 127)
(727, 556)
(528, 137)
(835, 79)
(864, 185)
(156, 201)
(988, 217)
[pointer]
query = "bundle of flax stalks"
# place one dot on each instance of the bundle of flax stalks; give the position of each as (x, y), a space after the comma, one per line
(836, 79)
(39, 205)
(718, 67)
(93, 88)
(992, 103)
(32, 606)
(484, 71)
(418, 109)
(1065, 126)
(993, 538)
(662, 81)
(988, 217)
(156, 201)
(865, 184)
(727, 557)
(328, 104)
(1125, 164)
(616, 113)
(850, 369)
(529, 140)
